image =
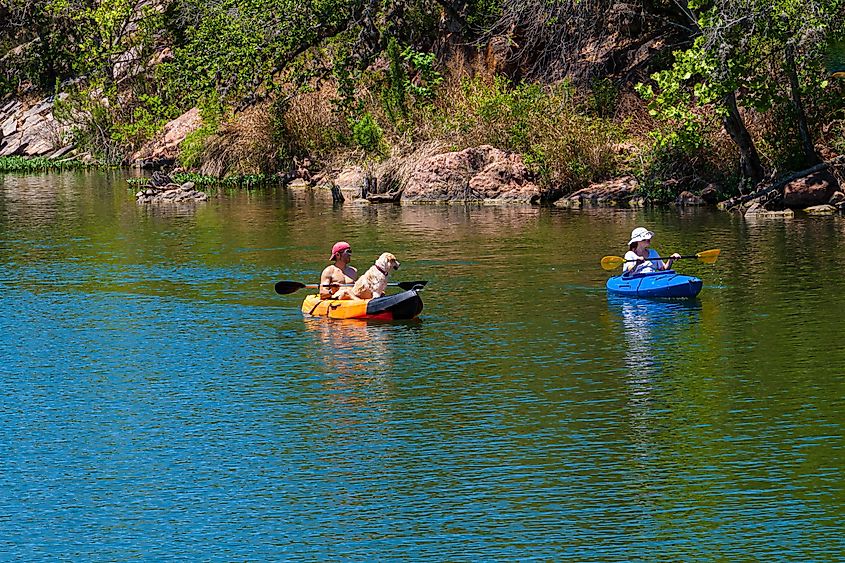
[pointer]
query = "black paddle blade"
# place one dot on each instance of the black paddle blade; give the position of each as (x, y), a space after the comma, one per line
(287, 287)
(419, 284)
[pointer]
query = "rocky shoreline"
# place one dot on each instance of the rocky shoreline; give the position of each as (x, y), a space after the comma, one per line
(483, 174)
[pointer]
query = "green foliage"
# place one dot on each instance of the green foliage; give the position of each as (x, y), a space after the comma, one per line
(394, 93)
(93, 124)
(245, 181)
(192, 147)
(367, 134)
(236, 47)
(410, 80)
(423, 85)
(545, 124)
(347, 104)
(745, 49)
(20, 164)
(146, 119)
(481, 13)
(603, 98)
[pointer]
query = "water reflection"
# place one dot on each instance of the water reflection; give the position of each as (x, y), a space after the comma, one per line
(358, 359)
(653, 329)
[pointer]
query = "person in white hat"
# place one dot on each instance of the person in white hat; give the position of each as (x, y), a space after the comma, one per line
(646, 259)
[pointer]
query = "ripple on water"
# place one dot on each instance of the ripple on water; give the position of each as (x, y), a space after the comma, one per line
(161, 402)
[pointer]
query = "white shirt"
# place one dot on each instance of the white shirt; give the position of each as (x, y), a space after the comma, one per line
(644, 267)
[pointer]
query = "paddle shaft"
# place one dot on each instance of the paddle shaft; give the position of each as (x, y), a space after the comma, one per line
(287, 287)
(315, 285)
(659, 258)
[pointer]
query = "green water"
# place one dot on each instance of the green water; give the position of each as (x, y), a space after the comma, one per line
(160, 401)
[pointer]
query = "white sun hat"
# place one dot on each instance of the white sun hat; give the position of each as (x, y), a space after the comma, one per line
(638, 234)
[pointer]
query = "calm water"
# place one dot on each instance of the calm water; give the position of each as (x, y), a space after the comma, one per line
(159, 401)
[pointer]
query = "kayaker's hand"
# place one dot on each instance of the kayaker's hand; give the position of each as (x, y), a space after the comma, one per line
(675, 256)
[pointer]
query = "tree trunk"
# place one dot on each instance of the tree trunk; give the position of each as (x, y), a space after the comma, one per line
(810, 156)
(749, 160)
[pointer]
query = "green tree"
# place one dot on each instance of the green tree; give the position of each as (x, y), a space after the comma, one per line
(751, 54)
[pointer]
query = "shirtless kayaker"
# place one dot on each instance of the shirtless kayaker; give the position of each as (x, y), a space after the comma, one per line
(338, 273)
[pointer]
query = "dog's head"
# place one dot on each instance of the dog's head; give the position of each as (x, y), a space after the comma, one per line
(387, 262)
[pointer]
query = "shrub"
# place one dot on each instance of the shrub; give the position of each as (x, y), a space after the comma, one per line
(367, 134)
(546, 125)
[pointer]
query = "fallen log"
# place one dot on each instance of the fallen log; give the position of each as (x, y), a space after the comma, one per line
(390, 197)
(767, 193)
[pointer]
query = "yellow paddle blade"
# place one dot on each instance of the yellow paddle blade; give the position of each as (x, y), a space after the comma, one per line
(708, 256)
(612, 262)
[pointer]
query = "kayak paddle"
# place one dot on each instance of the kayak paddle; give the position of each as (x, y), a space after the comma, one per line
(706, 256)
(286, 287)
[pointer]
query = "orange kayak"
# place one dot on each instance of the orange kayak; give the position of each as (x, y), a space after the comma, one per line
(404, 305)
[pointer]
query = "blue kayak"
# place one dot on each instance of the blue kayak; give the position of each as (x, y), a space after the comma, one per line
(666, 283)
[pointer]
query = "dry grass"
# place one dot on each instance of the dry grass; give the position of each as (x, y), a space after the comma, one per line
(243, 145)
(309, 125)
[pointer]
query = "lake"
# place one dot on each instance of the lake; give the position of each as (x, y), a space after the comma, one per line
(160, 401)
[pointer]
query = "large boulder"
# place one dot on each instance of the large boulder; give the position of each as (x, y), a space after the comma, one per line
(165, 146)
(815, 189)
(483, 174)
(620, 192)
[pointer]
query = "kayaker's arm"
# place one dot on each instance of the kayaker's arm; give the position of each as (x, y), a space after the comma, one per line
(668, 264)
(326, 281)
(629, 267)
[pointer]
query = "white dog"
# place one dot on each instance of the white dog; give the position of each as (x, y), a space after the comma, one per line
(374, 281)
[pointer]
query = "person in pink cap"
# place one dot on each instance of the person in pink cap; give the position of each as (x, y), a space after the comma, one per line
(338, 273)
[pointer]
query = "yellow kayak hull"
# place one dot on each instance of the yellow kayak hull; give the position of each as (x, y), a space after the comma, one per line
(405, 305)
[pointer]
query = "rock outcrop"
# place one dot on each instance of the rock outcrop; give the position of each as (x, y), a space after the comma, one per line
(351, 182)
(809, 191)
(477, 174)
(31, 130)
(620, 192)
(164, 148)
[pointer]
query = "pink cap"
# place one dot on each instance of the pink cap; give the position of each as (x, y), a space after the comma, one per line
(339, 247)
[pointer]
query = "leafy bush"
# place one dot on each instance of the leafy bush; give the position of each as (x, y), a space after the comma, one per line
(567, 148)
(192, 147)
(367, 134)
(20, 164)
(147, 118)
